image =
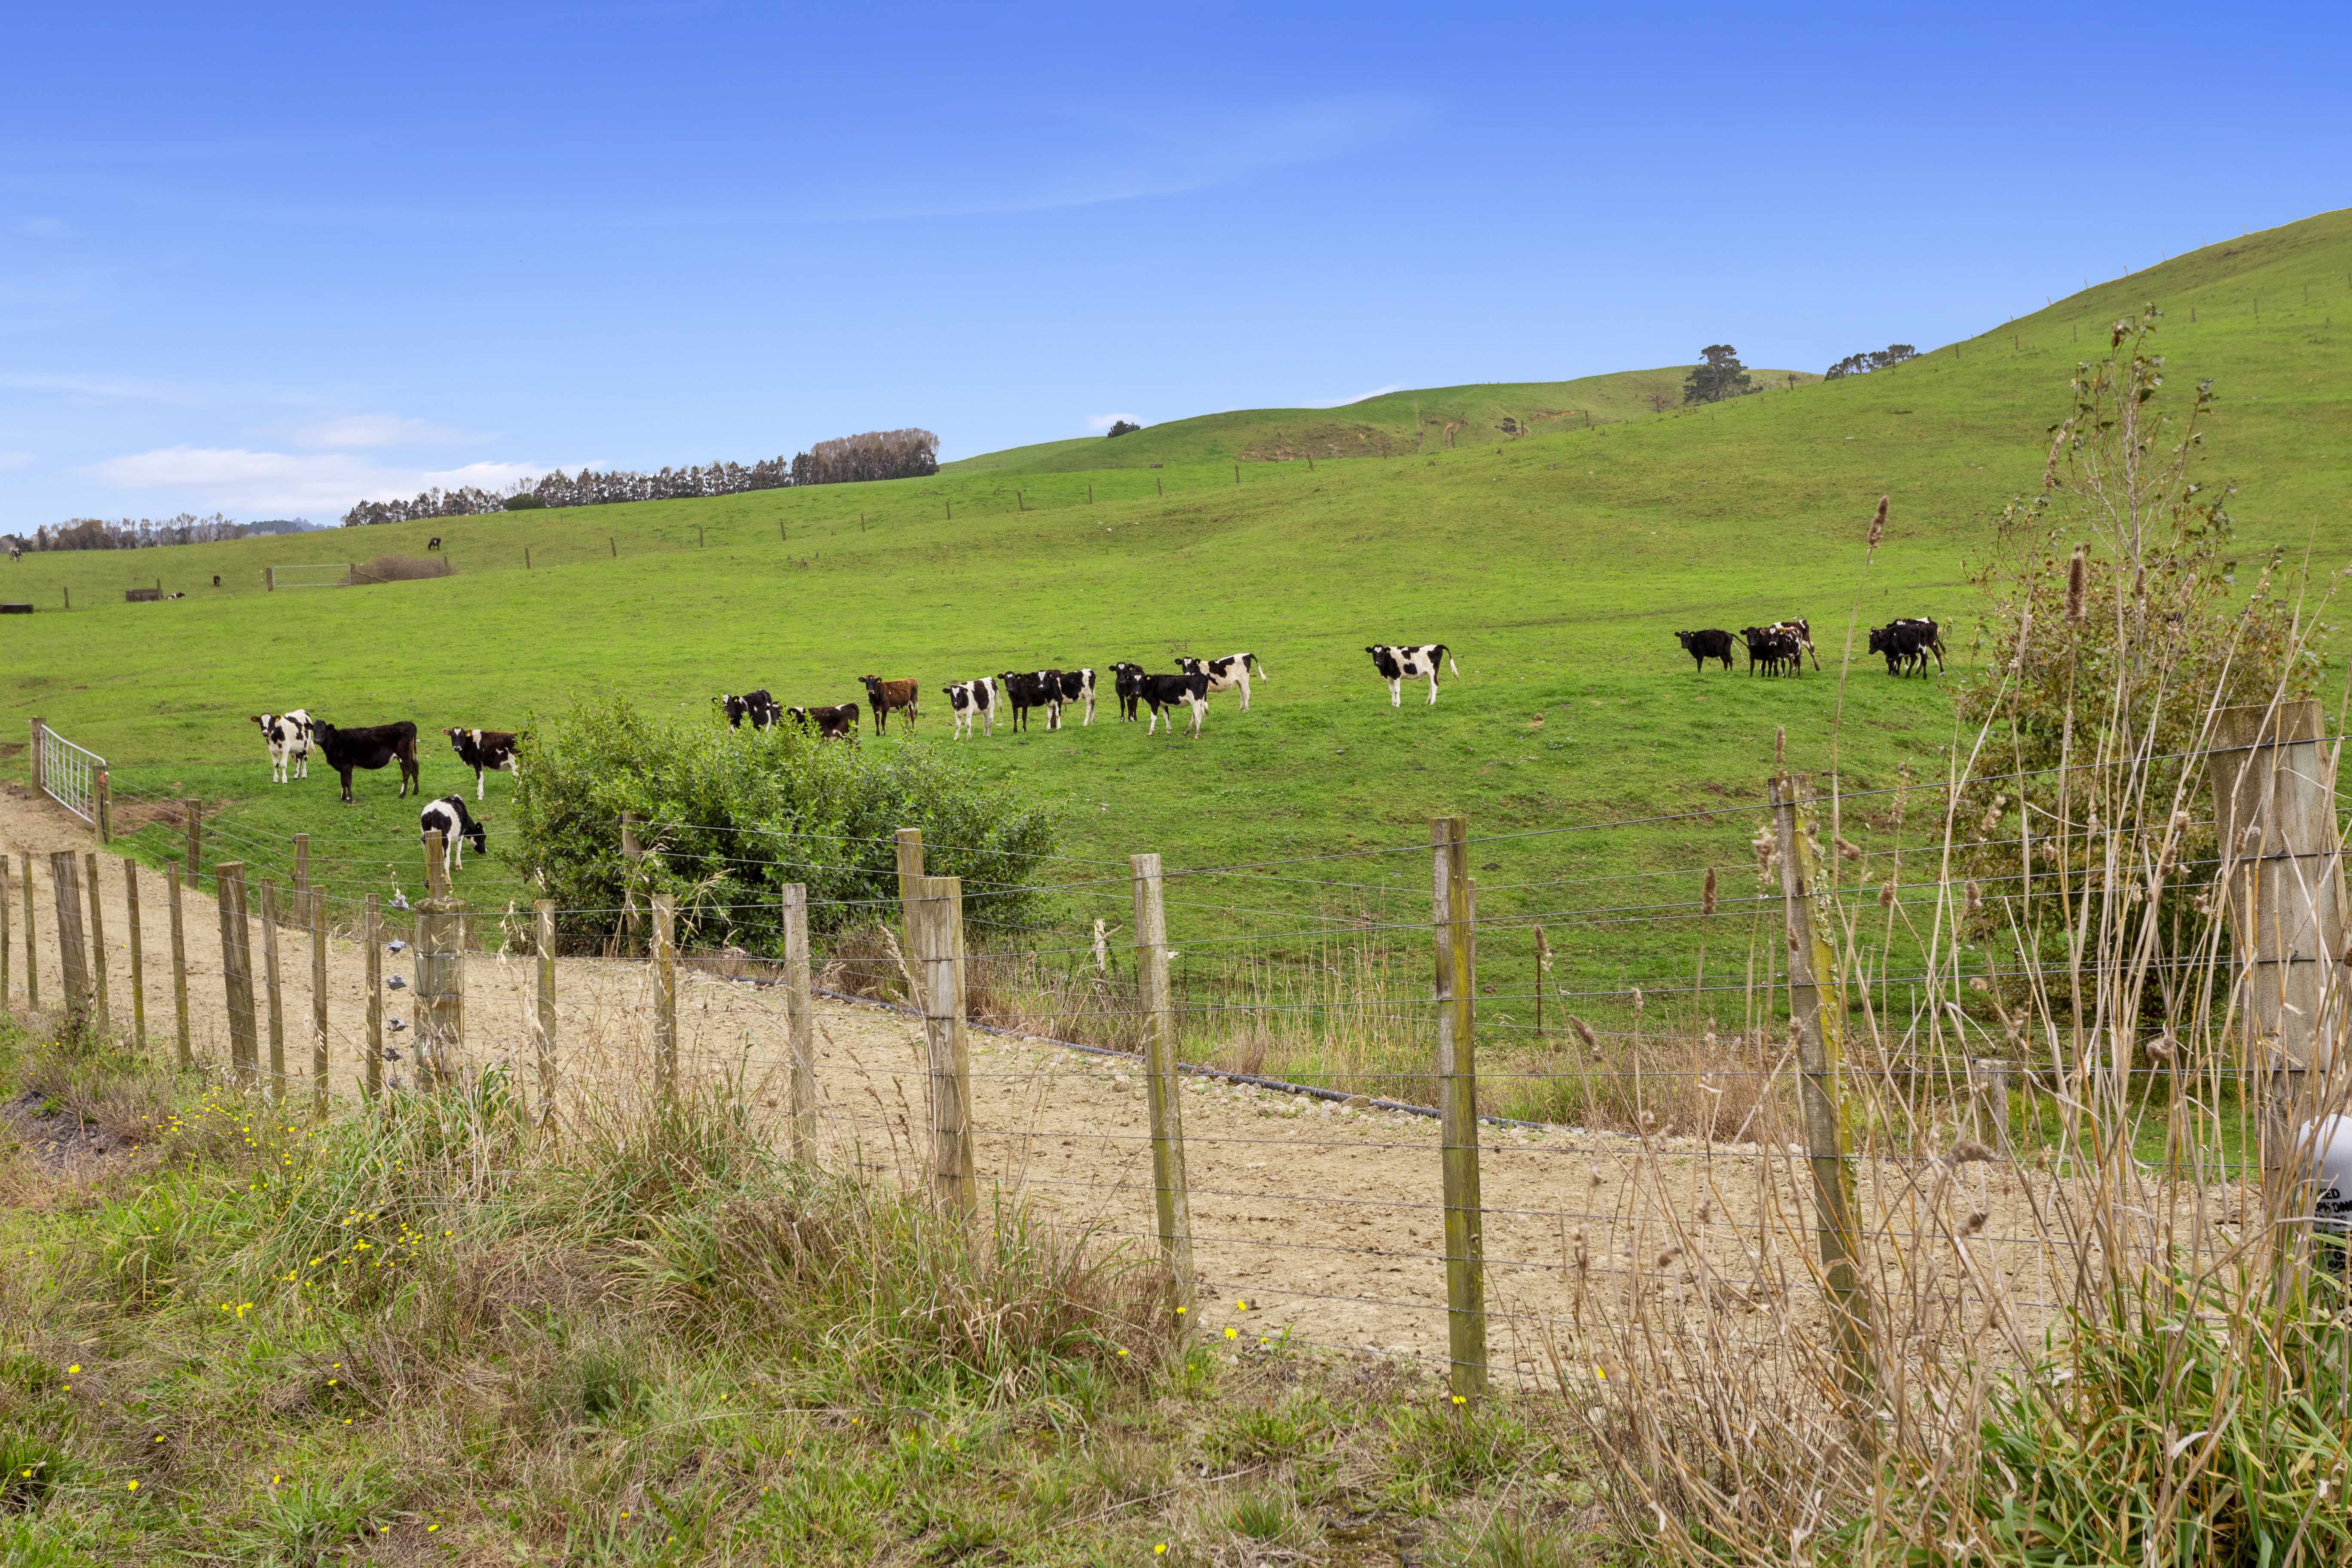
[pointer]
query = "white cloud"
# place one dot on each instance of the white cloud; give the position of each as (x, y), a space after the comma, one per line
(377, 430)
(15, 459)
(1343, 402)
(1099, 423)
(232, 480)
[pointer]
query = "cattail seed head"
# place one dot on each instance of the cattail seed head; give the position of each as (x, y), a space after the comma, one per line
(1852, 851)
(1583, 1031)
(1965, 1151)
(1878, 523)
(2077, 577)
(1976, 896)
(1668, 1256)
(1886, 894)
(1638, 1003)
(1706, 894)
(1975, 1223)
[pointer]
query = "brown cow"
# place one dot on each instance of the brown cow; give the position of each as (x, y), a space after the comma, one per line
(883, 696)
(838, 723)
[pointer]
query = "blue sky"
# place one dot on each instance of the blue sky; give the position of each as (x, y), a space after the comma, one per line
(271, 260)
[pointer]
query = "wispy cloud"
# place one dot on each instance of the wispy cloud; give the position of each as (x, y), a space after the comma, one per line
(45, 227)
(233, 480)
(1343, 402)
(1099, 423)
(15, 459)
(377, 430)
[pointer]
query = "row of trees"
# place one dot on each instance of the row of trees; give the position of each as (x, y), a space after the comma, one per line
(876, 455)
(1865, 363)
(97, 534)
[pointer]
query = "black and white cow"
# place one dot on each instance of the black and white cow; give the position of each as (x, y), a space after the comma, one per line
(836, 724)
(448, 818)
(1397, 664)
(1803, 631)
(757, 706)
(1171, 691)
(970, 700)
(1127, 685)
(485, 751)
(1776, 649)
(1706, 645)
(1227, 674)
(289, 738)
(1077, 686)
(370, 746)
(1033, 688)
(1909, 643)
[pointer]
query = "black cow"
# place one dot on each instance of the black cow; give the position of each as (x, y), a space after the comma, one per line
(448, 818)
(370, 747)
(1126, 683)
(757, 706)
(1169, 691)
(1775, 649)
(1907, 644)
(1707, 645)
(484, 750)
(1039, 689)
(836, 724)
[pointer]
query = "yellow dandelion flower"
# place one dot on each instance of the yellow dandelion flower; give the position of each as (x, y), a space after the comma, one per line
(431, 1527)
(75, 1368)
(130, 1486)
(1233, 1333)
(1459, 1400)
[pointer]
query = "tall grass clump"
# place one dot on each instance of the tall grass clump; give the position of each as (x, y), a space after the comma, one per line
(733, 816)
(2153, 1373)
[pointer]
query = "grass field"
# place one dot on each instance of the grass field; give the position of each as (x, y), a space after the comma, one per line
(1557, 565)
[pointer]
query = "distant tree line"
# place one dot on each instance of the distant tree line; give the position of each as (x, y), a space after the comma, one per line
(1865, 363)
(97, 534)
(877, 454)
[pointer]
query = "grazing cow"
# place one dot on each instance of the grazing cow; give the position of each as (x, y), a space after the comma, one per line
(1039, 689)
(1803, 632)
(1906, 642)
(1190, 689)
(1397, 664)
(176, 595)
(1077, 686)
(1126, 683)
(886, 696)
(836, 724)
(370, 747)
(970, 700)
(484, 750)
(1707, 645)
(289, 736)
(757, 706)
(1776, 649)
(1227, 673)
(448, 817)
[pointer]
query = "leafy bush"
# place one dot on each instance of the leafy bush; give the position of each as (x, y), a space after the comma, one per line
(733, 816)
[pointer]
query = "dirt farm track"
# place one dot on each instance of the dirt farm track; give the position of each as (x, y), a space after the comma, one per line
(1326, 1222)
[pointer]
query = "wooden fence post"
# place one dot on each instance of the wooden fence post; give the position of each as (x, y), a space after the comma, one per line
(195, 820)
(32, 755)
(301, 863)
(105, 811)
(436, 870)
(274, 1000)
(180, 976)
(665, 998)
(32, 952)
(318, 901)
(935, 932)
(237, 971)
(910, 846)
(1988, 1103)
(73, 958)
(1820, 1053)
(440, 990)
(372, 935)
(138, 956)
(7, 937)
(544, 1020)
(97, 965)
(2273, 800)
(1162, 1083)
(799, 1019)
(1457, 1089)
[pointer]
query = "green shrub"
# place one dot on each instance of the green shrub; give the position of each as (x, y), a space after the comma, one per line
(733, 816)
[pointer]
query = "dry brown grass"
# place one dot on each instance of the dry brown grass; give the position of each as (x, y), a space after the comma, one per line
(396, 569)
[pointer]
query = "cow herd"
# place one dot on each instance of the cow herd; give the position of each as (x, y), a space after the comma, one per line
(292, 737)
(1016, 695)
(1782, 647)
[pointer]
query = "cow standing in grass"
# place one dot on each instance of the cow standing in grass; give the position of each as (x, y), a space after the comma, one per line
(1168, 691)
(1127, 684)
(757, 706)
(373, 746)
(448, 818)
(484, 750)
(1397, 664)
(1038, 689)
(887, 697)
(1230, 673)
(1077, 686)
(970, 700)
(1706, 645)
(838, 722)
(288, 737)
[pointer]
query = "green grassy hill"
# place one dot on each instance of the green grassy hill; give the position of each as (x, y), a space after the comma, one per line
(1429, 420)
(1557, 565)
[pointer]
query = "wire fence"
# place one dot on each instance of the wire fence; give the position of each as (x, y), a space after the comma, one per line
(1340, 1099)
